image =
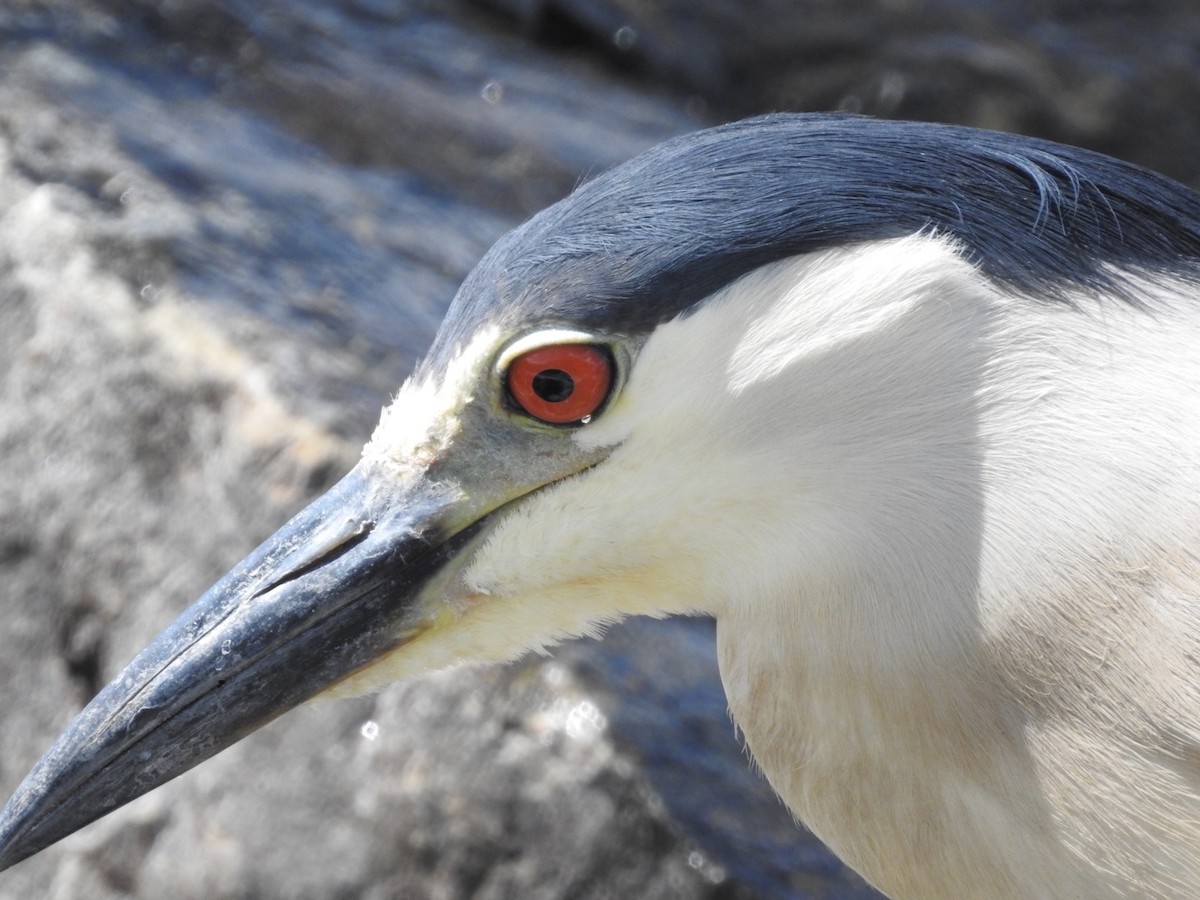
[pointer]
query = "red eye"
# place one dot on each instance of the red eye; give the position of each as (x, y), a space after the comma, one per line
(561, 383)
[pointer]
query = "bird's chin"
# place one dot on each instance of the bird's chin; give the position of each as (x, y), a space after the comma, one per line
(445, 634)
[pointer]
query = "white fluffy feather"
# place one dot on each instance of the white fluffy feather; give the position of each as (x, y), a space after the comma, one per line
(949, 537)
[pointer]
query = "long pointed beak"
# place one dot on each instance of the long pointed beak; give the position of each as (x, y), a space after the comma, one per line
(331, 592)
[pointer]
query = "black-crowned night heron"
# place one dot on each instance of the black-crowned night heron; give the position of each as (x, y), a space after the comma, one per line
(913, 410)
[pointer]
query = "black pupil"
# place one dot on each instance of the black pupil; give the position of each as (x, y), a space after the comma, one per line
(553, 385)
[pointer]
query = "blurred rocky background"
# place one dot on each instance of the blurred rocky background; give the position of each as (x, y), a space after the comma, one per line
(227, 230)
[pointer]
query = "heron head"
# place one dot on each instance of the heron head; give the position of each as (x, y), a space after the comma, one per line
(688, 386)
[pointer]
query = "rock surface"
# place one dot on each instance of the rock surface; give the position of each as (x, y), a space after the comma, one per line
(227, 230)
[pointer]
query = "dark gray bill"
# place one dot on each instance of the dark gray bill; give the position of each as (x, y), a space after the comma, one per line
(331, 592)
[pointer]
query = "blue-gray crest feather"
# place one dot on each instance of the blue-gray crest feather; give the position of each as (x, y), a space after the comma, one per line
(645, 241)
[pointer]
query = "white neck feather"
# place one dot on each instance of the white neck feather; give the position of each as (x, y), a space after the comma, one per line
(993, 591)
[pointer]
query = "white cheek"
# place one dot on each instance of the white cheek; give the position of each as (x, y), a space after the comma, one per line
(608, 543)
(729, 438)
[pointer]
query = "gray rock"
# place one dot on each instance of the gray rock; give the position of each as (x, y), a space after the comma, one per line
(1114, 75)
(228, 229)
